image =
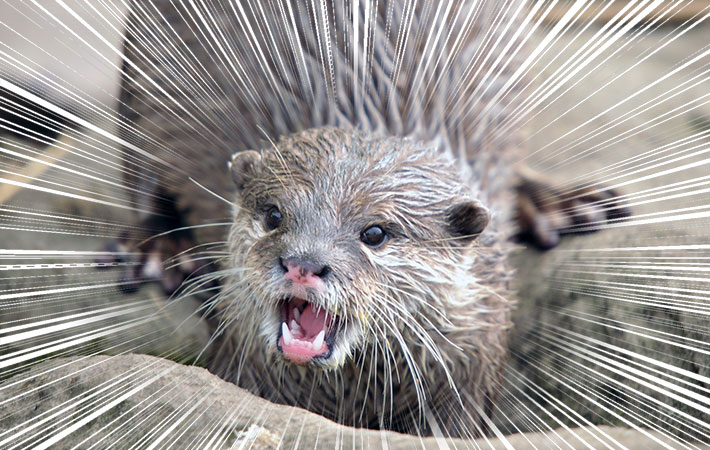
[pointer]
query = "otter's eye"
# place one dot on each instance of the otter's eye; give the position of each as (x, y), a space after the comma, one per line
(373, 236)
(273, 218)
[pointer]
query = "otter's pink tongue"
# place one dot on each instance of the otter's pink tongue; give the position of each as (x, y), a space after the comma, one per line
(303, 337)
(313, 322)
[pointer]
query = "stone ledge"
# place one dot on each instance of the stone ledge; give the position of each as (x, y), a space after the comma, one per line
(138, 400)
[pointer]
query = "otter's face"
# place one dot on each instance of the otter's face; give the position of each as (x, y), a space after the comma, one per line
(340, 239)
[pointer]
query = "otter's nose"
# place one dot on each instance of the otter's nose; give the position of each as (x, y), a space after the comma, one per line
(304, 272)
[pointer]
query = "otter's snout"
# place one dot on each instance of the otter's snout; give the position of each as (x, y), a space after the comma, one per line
(303, 272)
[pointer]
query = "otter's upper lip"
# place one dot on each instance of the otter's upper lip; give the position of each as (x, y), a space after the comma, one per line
(307, 331)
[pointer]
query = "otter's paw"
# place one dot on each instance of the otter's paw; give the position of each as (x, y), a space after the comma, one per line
(545, 211)
(165, 259)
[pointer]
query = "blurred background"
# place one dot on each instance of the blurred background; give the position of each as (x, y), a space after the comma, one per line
(611, 327)
(62, 195)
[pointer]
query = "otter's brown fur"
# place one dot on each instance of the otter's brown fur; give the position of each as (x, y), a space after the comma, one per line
(200, 85)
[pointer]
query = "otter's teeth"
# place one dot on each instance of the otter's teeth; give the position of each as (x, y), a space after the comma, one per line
(318, 341)
(286, 333)
(296, 314)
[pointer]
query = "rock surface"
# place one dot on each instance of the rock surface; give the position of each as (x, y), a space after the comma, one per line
(100, 401)
(611, 327)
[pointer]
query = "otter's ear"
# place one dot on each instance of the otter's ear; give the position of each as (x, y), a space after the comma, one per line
(467, 220)
(243, 166)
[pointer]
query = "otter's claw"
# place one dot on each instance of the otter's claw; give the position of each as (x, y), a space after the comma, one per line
(546, 212)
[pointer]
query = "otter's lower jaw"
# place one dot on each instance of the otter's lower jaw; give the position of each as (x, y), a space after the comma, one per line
(307, 333)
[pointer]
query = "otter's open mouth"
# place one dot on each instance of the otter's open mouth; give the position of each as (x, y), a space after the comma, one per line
(307, 331)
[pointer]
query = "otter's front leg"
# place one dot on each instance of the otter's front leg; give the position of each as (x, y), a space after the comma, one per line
(546, 210)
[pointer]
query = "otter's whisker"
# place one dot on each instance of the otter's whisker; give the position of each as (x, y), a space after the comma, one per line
(409, 359)
(426, 339)
(183, 262)
(207, 245)
(280, 157)
(435, 308)
(219, 197)
(185, 228)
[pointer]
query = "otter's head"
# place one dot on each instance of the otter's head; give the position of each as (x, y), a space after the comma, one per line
(340, 239)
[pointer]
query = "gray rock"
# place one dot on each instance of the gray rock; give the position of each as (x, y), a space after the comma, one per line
(143, 401)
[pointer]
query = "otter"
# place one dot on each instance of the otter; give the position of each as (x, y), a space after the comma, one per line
(356, 255)
(358, 244)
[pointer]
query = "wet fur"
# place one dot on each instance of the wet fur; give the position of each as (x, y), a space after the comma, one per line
(414, 306)
(193, 129)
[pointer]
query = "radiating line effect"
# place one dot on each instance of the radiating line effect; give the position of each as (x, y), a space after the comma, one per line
(611, 99)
